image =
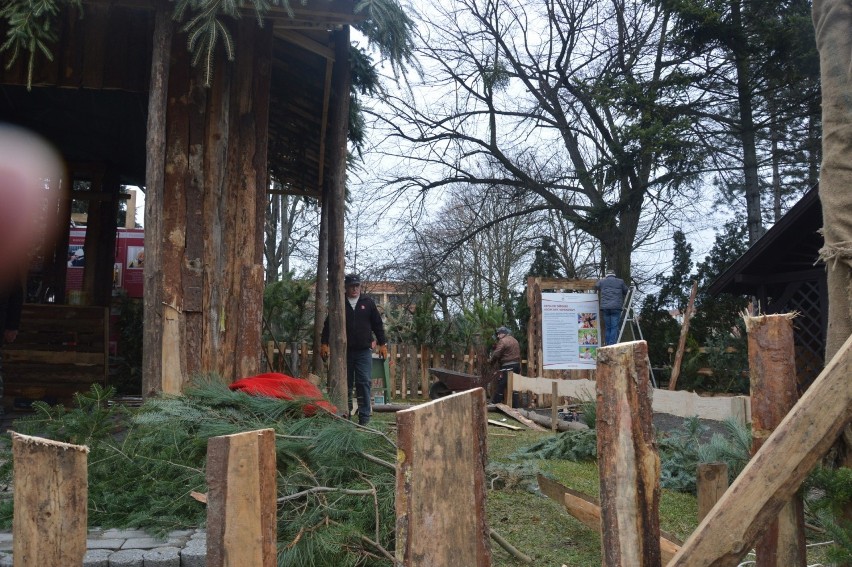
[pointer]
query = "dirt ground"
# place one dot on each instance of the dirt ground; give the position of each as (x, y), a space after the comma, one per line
(665, 422)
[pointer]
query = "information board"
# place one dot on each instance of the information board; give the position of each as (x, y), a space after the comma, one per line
(570, 330)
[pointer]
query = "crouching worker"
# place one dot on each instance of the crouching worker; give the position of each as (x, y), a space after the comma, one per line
(507, 352)
(362, 322)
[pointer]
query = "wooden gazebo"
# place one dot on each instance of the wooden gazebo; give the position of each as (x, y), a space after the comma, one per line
(783, 271)
(123, 105)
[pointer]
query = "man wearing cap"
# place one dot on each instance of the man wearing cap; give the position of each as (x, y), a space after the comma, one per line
(507, 352)
(613, 291)
(363, 320)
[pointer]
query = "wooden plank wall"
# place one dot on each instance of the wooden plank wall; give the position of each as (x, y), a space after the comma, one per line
(60, 350)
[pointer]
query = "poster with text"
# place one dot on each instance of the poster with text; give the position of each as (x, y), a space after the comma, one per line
(570, 330)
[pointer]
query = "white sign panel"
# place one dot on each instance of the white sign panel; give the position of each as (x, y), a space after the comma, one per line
(570, 330)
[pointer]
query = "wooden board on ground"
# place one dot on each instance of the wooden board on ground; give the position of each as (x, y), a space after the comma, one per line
(440, 482)
(513, 413)
(241, 500)
(588, 511)
(501, 424)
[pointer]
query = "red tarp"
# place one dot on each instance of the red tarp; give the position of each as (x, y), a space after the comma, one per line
(286, 387)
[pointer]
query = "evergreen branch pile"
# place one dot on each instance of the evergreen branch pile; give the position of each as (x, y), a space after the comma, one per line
(336, 481)
(571, 445)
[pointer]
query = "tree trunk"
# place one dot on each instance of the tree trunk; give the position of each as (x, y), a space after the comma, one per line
(208, 249)
(336, 179)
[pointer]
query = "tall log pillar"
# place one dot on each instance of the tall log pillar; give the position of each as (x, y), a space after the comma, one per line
(772, 365)
(204, 271)
(334, 198)
(628, 460)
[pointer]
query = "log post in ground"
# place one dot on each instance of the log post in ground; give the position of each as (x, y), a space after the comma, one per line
(712, 481)
(241, 500)
(49, 528)
(628, 460)
(772, 367)
(440, 482)
(775, 472)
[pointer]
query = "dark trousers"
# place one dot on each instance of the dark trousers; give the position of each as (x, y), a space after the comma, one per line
(499, 394)
(359, 371)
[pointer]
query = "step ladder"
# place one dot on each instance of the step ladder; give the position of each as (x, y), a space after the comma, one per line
(628, 315)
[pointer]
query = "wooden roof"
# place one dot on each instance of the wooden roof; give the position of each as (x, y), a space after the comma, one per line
(788, 251)
(91, 100)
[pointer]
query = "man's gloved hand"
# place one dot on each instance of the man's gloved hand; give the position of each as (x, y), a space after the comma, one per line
(324, 351)
(383, 351)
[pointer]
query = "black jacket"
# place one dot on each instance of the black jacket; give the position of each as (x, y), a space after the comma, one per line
(361, 323)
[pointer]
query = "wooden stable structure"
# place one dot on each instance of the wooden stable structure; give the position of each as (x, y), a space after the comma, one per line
(783, 271)
(123, 104)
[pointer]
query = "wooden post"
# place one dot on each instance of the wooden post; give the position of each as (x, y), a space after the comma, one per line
(303, 360)
(392, 369)
(403, 366)
(440, 482)
(49, 528)
(712, 480)
(554, 411)
(424, 371)
(627, 457)
(775, 472)
(270, 355)
(772, 366)
(684, 331)
(241, 500)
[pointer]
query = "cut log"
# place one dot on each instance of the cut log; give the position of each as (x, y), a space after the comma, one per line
(628, 461)
(776, 471)
(544, 422)
(774, 392)
(241, 500)
(712, 480)
(587, 511)
(440, 482)
(51, 498)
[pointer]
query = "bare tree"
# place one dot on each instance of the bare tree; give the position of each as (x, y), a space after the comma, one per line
(569, 103)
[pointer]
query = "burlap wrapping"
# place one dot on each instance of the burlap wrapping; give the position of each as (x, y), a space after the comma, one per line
(833, 26)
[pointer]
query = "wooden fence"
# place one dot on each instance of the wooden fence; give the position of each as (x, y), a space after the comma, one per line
(409, 365)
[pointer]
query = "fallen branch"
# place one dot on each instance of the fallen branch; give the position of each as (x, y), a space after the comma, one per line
(512, 412)
(510, 549)
(318, 489)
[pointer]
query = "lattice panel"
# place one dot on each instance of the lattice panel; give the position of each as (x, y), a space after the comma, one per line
(808, 331)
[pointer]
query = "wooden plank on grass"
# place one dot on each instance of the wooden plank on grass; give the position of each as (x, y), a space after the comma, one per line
(501, 424)
(241, 500)
(49, 527)
(440, 482)
(515, 414)
(588, 512)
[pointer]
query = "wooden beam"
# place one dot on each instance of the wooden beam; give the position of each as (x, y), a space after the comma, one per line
(326, 100)
(515, 414)
(305, 42)
(776, 471)
(49, 526)
(628, 461)
(684, 331)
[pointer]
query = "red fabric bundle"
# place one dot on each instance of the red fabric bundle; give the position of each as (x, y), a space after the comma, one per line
(285, 387)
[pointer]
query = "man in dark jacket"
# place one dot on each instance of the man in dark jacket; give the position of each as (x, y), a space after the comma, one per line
(11, 303)
(507, 352)
(363, 320)
(613, 291)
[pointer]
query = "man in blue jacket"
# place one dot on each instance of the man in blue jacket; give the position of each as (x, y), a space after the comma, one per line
(363, 320)
(613, 291)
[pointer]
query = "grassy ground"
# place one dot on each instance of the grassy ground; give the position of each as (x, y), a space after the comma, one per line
(541, 529)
